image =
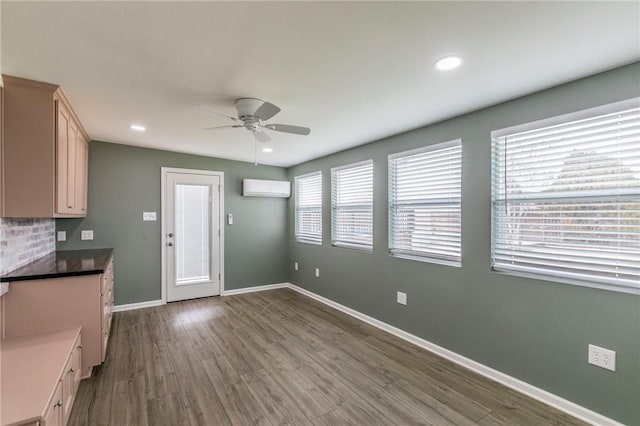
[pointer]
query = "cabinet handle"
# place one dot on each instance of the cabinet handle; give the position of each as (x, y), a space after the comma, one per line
(72, 370)
(58, 404)
(79, 346)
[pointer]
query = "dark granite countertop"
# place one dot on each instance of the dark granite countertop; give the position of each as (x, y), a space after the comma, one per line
(68, 263)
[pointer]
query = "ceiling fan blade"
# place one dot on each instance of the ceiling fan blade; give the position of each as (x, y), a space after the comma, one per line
(266, 111)
(218, 112)
(286, 128)
(261, 136)
(235, 126)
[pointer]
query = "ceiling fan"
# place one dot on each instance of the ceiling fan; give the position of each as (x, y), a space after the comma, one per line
(252, 114)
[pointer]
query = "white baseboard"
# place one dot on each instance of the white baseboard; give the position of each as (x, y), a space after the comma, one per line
(140, 305)
(255, 288)
(548, 398)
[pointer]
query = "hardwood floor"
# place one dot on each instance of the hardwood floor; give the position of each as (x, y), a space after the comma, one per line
(277, 357)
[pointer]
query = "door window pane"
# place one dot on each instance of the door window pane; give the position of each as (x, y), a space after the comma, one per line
(193, 233)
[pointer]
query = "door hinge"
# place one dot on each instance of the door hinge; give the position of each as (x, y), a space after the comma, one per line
(219, 277)
(219, 188)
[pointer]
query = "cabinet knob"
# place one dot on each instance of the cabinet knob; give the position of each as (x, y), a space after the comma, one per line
(79, 346)
(170, 244)
(58, 404)
(72, 370)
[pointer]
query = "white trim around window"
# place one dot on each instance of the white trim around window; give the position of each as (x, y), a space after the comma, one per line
(425, 204)
(352, 206)
(308, 208)
(566, 198)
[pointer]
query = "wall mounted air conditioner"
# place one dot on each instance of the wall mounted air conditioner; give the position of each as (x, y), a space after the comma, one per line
(266, 188)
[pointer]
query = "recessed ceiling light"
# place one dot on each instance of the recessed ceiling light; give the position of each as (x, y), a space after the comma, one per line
(267, 149)
(138, 127)
(448, 63)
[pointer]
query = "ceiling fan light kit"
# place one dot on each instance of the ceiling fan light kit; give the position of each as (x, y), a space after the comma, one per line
(252, 113)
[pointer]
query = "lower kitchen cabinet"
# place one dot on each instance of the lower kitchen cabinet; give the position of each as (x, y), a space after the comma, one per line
(40, 377)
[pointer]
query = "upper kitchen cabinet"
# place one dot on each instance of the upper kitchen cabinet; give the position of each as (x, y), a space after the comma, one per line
(45, 152)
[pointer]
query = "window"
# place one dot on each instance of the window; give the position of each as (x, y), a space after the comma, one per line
(309, 208)
(425, 203)
(352, 205)
(566, 197)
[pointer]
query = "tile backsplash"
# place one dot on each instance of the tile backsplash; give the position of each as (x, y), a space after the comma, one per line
(24, 240)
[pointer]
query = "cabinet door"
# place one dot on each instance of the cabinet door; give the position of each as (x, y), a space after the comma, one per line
(71, 378)
(67, 386)
(54, 415)
(72, 152)
(63, 119)
(81, 160)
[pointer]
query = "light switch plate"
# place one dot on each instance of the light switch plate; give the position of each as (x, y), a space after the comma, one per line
(62, 235)
(295, 266)
(86, 235)
(318, 272)
(230, 218)
(149, 216)
(402, 298)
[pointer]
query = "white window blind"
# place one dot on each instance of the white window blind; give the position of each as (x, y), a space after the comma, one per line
(352, 205)
(566, 197)
(309, 208)
(425, 203)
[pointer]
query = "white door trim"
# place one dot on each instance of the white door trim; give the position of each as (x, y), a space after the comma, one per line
(163, 236)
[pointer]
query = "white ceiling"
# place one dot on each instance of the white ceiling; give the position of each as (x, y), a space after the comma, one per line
(352, 71)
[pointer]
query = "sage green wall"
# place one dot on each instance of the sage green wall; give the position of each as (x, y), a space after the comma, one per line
(534, 330)
(124, 181)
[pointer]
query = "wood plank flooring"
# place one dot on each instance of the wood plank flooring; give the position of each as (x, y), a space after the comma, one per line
(279, 358)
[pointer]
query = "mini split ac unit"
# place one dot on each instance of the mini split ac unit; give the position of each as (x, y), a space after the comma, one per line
(266, 188)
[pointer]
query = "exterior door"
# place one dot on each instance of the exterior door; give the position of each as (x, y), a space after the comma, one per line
(192, 234)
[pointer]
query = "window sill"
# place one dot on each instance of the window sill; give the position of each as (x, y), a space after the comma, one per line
(571, 281)
(454, 263)
(315, 243)
(368, 250)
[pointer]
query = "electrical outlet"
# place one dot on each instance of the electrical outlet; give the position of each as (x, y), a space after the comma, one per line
(62, 235)
(401, 298)
(317, 272)
(86, 235)
(602, 357)
(295, 265)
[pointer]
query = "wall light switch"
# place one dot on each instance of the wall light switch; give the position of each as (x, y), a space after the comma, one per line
(230, 218)
(86, 235)
(295, 266)
(402, 298)
(149, 216)
(318, 272)
(62, 235)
